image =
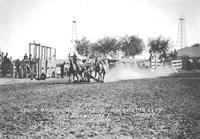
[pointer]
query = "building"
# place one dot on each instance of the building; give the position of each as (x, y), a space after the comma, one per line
(190, 57)
(192, 52)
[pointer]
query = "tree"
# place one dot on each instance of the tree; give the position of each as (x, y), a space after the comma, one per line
(83, 46)
(196, 45)
(95, 50)
(105, 46)
(131, 45)
(158, 46)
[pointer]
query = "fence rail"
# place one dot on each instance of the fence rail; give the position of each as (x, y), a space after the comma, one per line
(176, 64)
(156, 63)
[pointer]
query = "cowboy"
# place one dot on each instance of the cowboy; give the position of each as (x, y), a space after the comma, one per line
(75, 58)
(71, 65)
(30, 61)
(62, 69)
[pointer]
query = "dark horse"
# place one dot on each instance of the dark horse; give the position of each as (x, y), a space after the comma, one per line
(74, 70)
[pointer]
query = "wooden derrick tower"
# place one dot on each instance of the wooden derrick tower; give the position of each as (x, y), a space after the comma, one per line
(181, 41)
(72, 48)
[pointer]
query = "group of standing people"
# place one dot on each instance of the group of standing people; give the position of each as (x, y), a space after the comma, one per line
(24, 67)
(5, 58)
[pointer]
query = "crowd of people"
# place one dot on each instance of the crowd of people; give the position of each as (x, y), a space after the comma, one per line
(86, 67)
(4, 58)
(7, 64)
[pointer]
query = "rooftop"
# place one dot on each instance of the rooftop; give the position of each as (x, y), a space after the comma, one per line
(189, 51)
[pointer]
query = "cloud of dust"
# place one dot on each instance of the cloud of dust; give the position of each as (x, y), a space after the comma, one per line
(128, 71)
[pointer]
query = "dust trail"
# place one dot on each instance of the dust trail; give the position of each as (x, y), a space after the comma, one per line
(128, 71)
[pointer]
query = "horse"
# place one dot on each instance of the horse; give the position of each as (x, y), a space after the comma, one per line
(100, 70)
(75, 70)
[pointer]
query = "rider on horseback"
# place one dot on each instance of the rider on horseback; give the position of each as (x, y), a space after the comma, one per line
(75, 59)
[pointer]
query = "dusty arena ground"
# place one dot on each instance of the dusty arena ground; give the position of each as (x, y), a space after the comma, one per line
(165, 107)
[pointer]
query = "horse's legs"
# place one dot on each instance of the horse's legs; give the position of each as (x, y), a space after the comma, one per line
(104, 75)
(73, 77)
(98, 76)
(95, 74)
(76, 75)
(77, 79)
(69, 76)
(69, 79)
(101, 75)
(81, 75)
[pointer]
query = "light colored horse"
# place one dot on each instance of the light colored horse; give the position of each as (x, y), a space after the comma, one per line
(100, 70)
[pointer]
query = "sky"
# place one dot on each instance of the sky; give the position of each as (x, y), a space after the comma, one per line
(49, 22)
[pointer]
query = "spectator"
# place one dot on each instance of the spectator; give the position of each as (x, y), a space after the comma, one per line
(5, 57)
(62, 70)
(2, 55)
(75, 58)
(30, 57)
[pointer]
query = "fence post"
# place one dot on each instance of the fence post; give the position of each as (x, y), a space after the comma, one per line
(156, 63)
(13, 70)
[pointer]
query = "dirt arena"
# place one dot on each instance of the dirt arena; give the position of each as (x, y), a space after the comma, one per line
(165, 107)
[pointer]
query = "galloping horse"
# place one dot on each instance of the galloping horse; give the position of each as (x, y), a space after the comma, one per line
(99, 69)
(75, 70)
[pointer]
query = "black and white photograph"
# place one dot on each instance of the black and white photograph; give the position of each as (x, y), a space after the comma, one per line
(99, 69)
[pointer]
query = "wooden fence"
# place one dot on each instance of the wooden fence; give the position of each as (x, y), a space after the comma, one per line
(155, 63)
(176, 65)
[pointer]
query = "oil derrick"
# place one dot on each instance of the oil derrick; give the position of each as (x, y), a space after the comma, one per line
(72, 48)
(181, 41)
